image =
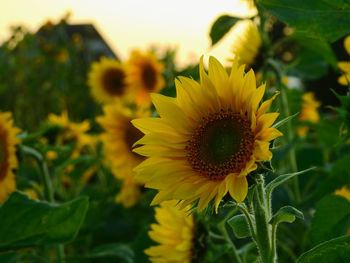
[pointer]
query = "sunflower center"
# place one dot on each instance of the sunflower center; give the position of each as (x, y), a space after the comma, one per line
(113, 80)
(221, 144)
(149, 76)
(3, 157)
(132, 135)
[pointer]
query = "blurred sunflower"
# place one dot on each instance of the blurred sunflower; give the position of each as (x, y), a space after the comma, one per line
(246, 41)
(174, 232)
(118, 139)
(145, 75)
(208, 139)
(71, 132)
(107, 80)
(308, 112)
(345, 66)
(8, 159)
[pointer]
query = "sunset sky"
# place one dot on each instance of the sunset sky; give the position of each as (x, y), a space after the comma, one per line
(130, 24)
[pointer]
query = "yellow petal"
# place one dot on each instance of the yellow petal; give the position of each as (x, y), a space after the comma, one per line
(239, 189)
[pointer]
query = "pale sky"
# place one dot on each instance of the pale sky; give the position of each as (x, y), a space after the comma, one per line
(130, 24)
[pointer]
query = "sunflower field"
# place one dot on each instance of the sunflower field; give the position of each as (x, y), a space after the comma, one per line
(136, 160)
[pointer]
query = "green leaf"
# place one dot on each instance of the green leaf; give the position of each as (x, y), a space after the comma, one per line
(335, 250)
(29, 223)
(220, 27)
(331, 219)
(285, 120)
(309, 66)
(115, 250)
(281, 179)
(329, 19)
(11, 257)
(286, 214)
(329, 132)
(240, 226)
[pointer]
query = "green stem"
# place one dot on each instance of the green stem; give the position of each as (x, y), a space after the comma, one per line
(273, 256)
(48, 188)
(223, 230)
(289, 129)
(247, 215)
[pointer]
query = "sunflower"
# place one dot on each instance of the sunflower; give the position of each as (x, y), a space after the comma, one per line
(345, 66)
(118, 139)
(107, 80)
(174, 232)
(246, 41)
(71, 132)
(145, 75)
(208, 139)
(8, 159)
(308, 113)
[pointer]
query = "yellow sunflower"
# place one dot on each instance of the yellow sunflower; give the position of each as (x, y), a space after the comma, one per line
(208, 139)
(308, 112)
(107, 80)
(246, 41)
(118, 139)
(345, 66)
(71, 132)
(8, 159)
(174, 232)
(145, 75)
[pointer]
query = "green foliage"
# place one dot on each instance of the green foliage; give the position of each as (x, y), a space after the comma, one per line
(281, 179)
(327, 19)
(113, 251)
(240, 226)
(331, 219)
(44, 224)
(335, 250)
(220, 27)
(286, 214)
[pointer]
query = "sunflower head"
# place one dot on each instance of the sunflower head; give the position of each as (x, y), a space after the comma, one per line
(208, 138)
(119, 137)
(246, 42)
(308, 112)
(174, 233)
(145, 75)
(8, 159)
(107, 80)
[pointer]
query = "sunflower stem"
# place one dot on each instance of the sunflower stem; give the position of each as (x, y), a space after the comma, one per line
(264, 236)
(223, 230)
(48, 188)
(289, 129)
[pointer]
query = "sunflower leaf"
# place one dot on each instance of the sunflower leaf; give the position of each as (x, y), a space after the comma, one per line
(331, 219)
(28, 223)
(335, 250)
(239, 226)
(281, 179)
(286, 214)
(285, 120)
(220, 27)
(313, 16)
(115, 250)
